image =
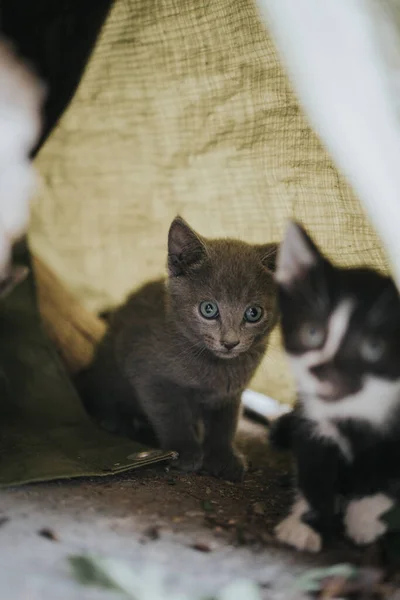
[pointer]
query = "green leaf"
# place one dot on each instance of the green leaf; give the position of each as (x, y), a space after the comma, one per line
(146, 585)
(89, 570)
(311, 580)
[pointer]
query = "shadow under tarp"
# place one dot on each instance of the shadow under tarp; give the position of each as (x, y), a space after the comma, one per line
(45, 433)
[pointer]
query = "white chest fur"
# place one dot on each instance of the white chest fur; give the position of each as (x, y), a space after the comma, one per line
(374, 404)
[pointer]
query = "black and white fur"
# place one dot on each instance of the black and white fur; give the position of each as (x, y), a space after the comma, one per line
(341, 332)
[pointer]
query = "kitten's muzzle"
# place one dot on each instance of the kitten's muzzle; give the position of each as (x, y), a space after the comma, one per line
(229, 349)
(227, 354)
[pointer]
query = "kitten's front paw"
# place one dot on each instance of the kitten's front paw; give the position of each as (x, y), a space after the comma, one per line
(230, 466)
(362, 519)
(293, 532)
(189, 460)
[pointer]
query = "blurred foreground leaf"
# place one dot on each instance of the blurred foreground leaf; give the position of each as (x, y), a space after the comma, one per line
(312, 580)
(147, 584)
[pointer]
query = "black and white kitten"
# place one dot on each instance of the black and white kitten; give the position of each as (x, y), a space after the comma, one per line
(179, 353)
(341, 332)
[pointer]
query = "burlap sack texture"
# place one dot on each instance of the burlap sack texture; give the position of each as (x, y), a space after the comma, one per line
(184, 108)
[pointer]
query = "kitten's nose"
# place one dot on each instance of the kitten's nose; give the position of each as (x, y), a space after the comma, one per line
(230, 345)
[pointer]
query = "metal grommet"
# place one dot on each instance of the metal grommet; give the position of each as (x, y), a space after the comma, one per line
(145, 454)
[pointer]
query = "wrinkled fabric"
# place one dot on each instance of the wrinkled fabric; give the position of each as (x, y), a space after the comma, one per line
(184, 108)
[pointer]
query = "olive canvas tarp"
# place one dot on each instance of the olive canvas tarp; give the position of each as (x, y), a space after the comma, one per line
(182, 107)
(45, 433)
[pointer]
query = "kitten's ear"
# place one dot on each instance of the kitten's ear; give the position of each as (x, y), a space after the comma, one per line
(16, 276)
(269, 253)
(297, 255)
(185, 248)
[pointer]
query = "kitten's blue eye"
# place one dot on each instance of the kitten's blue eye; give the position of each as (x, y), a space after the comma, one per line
(209, 310)
(312, 335)
(372, 349)
(253, 314)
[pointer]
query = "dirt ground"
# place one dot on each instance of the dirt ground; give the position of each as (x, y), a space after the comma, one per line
(200, 532)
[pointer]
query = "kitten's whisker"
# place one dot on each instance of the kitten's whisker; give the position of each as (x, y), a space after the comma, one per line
(186, 352)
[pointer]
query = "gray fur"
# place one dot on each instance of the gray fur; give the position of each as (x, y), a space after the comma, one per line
(164, 365)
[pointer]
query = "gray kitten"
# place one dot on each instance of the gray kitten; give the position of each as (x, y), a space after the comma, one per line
(179, 353)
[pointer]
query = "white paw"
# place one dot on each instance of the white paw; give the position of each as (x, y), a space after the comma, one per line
(294, 532)
(362, 519)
